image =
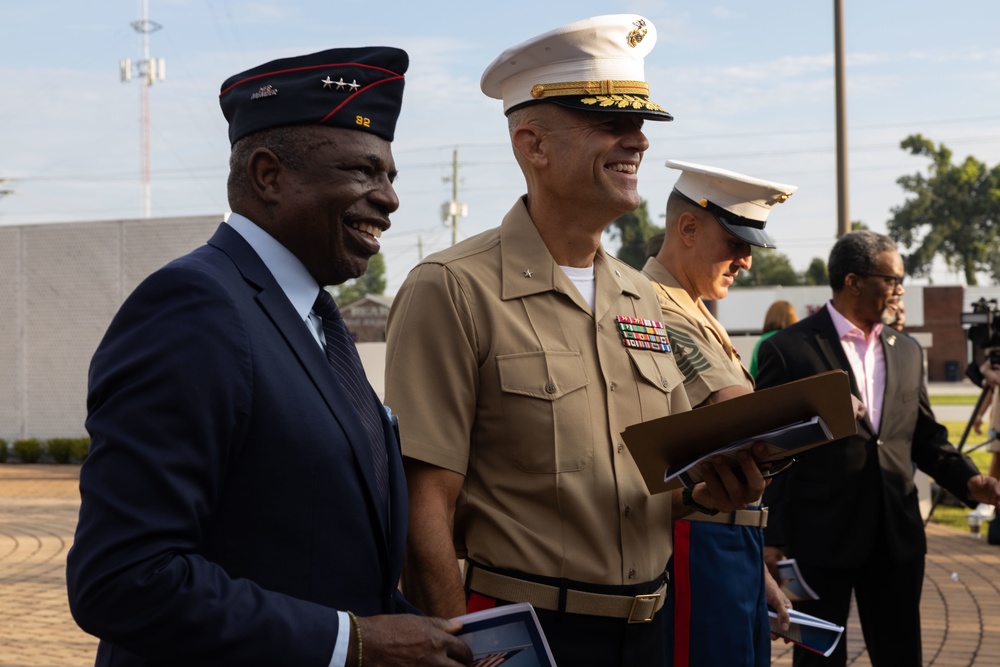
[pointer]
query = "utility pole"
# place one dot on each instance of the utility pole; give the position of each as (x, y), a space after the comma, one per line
(452, 210)
(149, 70)
(843, 212)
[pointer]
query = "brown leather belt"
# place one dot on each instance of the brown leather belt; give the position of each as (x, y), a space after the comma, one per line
(756, 518)
(635, 608)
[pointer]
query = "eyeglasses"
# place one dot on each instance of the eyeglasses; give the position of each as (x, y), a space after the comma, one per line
(771, 468)
(897, 281)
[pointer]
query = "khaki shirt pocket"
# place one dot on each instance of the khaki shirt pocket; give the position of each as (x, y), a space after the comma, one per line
(546, 410)
(657, 369)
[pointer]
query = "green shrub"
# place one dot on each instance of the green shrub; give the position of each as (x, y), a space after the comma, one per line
(65, 450)
(81, 447)
(28, 450)
(61, 449)
(3, 450)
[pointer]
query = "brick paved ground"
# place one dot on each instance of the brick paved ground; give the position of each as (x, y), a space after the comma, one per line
(960, 607)
(38, 506)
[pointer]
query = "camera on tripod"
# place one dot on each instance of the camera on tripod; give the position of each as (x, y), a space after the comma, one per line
(984, 324)
(984, 333)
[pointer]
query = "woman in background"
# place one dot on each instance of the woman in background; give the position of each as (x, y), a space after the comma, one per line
(778, 316)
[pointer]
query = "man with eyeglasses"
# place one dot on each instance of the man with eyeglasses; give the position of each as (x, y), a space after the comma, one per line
(848, 512)
(714, 219)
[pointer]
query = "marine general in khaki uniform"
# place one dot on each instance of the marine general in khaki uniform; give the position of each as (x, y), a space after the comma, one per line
(516, 358)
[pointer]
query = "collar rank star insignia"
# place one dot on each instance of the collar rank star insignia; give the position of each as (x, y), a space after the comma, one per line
(642, 334)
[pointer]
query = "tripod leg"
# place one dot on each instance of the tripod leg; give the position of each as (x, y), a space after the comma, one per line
(939, 494)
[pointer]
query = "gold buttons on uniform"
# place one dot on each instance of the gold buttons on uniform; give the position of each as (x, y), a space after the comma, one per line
(612, 386)
(628, 510)
(621, 448)
(631, 573)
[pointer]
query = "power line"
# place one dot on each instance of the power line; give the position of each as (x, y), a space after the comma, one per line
(221, 170)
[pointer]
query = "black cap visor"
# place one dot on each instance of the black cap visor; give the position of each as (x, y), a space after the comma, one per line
(745, 229)
(639, 107)
(751, 235)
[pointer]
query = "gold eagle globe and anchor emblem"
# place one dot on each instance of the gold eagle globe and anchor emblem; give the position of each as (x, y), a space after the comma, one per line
(636, 35)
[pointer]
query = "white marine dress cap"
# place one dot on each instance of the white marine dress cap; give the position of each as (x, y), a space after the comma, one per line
(739, 202)
(594, 65)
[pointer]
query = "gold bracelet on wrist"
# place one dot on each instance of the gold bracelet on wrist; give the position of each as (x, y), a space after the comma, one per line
(357, 631)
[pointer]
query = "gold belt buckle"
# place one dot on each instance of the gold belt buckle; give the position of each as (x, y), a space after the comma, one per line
(635, 601)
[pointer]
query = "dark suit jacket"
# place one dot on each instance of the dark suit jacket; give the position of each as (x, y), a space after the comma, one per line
(229, 500)
(830, 506)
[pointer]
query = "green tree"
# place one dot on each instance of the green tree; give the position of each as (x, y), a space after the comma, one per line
(769, 267)
(954, 213)
(857, 225)
(816, 274)
(372, 282)
(632, 230)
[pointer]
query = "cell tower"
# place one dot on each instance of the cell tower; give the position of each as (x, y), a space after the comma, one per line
(148, 71)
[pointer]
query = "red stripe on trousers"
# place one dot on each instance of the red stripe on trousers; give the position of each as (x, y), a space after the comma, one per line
(682, 593)
(479, 602)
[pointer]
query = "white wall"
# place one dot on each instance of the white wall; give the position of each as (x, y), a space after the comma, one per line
(60, 287)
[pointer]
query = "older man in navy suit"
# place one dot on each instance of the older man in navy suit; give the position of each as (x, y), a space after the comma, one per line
(244, 503)
(848, 511)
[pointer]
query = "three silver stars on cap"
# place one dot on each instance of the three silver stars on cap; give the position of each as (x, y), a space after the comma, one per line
(329, 83)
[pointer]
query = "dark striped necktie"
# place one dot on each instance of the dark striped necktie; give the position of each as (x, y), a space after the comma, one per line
(343, 357)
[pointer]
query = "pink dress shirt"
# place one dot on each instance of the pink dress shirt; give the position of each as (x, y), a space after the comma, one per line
(867, 359)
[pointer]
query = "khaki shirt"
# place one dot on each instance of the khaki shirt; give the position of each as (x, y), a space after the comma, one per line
(704, 352)
(499, 371)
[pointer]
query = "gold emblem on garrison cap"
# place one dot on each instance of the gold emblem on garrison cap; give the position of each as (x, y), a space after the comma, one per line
(265, 91)
(636, 35)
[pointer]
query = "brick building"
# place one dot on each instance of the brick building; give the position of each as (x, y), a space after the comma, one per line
(366, 318)
(933, 317)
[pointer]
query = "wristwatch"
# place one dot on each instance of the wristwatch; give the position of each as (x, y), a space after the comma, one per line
(688, 499)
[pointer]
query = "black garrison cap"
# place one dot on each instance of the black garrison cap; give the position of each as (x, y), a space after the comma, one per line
(354, 88)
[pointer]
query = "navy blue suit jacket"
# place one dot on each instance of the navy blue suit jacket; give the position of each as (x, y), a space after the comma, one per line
(831, 506)
(229, 505)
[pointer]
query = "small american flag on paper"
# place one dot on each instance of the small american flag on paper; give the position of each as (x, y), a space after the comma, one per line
(495, 659)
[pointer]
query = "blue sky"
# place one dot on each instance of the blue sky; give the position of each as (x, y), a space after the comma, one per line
(749, 83)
